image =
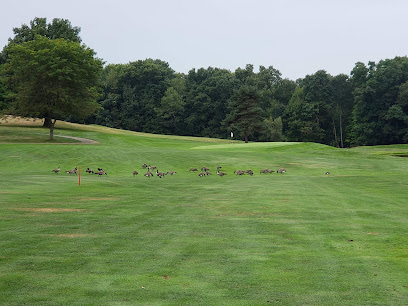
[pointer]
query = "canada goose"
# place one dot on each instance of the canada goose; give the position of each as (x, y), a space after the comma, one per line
(144, 166)
(201, 174)
(193, 169)
(208, 173)
(271, 171)
(73, 171)
(152, 167)
(239, 172)
(100, 172)
(327, 173)
(205, 169)
(266, 170)
(135, 173)
(250, 172)
(219, 167)
(171, 172)
(88, 170)
(159, 174)
(57, 170)
(281, 170)
(221, 173)
(148, 174)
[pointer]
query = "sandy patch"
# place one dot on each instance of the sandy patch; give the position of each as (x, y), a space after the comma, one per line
(371, 233)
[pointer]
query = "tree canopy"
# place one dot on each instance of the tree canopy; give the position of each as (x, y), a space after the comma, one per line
(48, 73)
(58, 28)
(54, 77)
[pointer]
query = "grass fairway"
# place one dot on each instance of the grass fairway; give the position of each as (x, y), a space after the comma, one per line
(299, 238)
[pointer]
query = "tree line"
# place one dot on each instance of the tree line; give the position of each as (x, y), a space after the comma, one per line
(367, 107)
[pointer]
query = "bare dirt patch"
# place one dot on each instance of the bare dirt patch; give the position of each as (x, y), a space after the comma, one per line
(48, 210)
(372, 233)
(72, 235)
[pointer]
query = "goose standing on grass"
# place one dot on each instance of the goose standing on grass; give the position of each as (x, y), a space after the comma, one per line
(100, 172)
(201, 174)
(250, 172)
(281, 170)
(171, 172)
(88, 170)
(148, 174)
(327, 173)
(221, 173)
(57, 170)
(135, 173)
(72, 171)
(193, 170)
(159, 174)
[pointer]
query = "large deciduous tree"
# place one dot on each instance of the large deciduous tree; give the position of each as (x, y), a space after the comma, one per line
(207, 94)
(58, 28)
(141, 87)
(54, 77)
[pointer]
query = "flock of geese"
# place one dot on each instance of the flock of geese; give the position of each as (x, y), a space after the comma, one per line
(150, 171)
(100, 171)
(204, 171)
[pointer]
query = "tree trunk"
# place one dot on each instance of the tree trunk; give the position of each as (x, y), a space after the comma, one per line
(335, 133)
(47, 122)
(52, 129)
(341, 130)
(246, 137)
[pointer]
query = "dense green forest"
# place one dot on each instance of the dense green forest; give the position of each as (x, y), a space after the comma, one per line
(367, 107)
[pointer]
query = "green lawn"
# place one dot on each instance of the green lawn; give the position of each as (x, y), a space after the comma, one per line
(298, 238)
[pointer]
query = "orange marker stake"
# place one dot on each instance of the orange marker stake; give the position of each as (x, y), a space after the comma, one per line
(79, 177)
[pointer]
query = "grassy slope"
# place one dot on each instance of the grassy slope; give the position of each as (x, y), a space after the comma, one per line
(294, 239)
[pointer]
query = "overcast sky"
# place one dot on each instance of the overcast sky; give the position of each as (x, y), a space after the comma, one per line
(297, 37)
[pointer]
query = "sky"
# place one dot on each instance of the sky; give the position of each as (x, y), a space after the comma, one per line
(297, 37)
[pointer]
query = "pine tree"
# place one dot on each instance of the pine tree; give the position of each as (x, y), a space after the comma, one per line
(245, 116)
